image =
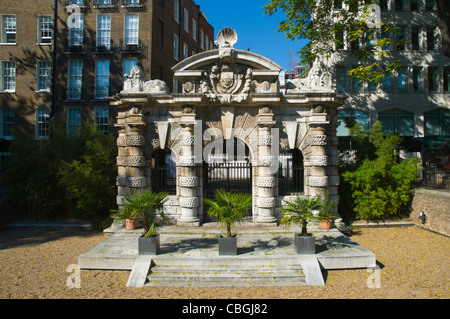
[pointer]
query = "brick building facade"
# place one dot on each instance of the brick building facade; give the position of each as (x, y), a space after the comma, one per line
(72, 66)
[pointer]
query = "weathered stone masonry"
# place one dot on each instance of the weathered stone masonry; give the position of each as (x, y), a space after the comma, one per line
(228, 93)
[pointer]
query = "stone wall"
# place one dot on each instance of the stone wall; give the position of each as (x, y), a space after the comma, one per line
(436, 206)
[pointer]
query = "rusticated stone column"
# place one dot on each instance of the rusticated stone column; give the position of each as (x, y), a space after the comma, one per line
(122, 166)
(188, 181)
(266, 181)
(318, 179)
(333, 163)
(131, 160)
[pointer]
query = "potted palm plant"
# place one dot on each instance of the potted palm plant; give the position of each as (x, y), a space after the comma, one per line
(325, 216)
(147, 205)
(299, 211)
(127, 214)
(228, 209)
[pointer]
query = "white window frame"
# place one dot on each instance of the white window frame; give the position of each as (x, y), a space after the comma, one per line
(102, 79)
(76, 32)
(4, 114)
(73, 121)
(74, 79)
(202, 39)
(43, 76)
(45, 30)
(101, 118)
(104, 31)
(42, 123)
(8, 69)
(176, 47)
(186, 20)
(131, 31)
(176, 10)
(8, 27)
(185, 51)
(194, 29)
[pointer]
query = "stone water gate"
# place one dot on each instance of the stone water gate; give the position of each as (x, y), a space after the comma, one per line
(230, 126)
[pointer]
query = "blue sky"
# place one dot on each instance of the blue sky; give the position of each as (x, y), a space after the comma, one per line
(255, 30)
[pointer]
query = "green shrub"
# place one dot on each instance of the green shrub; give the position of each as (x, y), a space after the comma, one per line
(382, 187)
(63, 177)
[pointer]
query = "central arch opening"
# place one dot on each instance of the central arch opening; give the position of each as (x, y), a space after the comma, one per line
(163, 171)
(228, 166)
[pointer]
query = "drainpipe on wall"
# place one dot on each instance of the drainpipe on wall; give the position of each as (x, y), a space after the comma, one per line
(55, 15)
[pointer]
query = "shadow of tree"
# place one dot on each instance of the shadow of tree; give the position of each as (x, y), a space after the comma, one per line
(271, 244)
(327, 242)
(185, 245)
(13, 237)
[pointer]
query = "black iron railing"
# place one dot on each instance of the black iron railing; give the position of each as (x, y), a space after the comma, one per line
(436, 179)
(233, 176)
(130, 46)
(164, 179)
(291, 180)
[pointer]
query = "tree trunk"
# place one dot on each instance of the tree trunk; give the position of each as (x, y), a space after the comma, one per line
(228, 231)
(304, 231)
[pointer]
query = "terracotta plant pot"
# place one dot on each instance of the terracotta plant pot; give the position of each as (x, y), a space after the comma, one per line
(132, 223)
(326, 224)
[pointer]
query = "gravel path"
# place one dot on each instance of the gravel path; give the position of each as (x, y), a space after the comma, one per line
(33, 264)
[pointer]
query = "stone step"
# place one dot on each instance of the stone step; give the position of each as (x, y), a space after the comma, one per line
(224, 269)
(219, 275)
(227, 261)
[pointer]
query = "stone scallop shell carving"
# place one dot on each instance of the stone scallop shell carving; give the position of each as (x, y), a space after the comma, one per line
(226, 38)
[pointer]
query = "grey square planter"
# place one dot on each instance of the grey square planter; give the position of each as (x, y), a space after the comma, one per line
(227, 246)
(149, 246)
(305, 245)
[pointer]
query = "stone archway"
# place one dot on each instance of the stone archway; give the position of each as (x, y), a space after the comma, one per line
(229, 93)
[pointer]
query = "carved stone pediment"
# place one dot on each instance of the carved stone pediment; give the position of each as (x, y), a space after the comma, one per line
(227, 75)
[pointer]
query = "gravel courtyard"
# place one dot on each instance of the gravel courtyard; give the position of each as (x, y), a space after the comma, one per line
(34, 261)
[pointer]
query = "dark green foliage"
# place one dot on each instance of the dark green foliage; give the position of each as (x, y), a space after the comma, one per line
(63, 177)
(90, 177)
(381, 187)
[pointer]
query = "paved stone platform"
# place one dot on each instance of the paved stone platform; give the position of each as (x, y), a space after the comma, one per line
(196, 247)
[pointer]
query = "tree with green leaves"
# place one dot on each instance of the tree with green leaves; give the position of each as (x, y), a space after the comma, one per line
(63, 176)
(325, 22)
(381, 187)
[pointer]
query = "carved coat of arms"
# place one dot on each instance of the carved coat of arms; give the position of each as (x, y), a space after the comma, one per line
(227, 82)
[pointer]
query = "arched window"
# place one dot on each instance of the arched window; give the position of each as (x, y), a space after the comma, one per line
(291, 172)
(164, 172)
(397, 121)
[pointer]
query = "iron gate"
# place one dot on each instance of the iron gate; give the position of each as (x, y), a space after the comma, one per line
(233, 176)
